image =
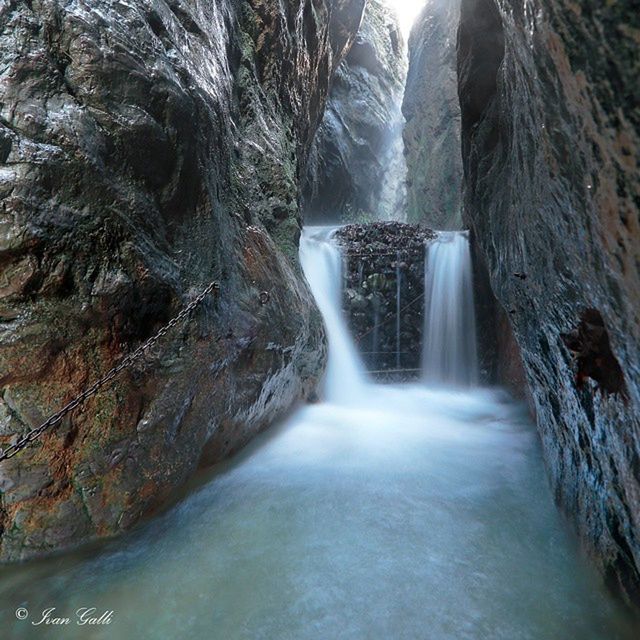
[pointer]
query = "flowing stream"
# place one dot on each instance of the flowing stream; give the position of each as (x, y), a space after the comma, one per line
(322, 263)
(450, 351)
(383, 512)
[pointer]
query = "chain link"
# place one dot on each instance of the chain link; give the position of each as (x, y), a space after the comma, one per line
(125, 363)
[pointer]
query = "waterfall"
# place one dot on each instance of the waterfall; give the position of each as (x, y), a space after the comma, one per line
(393, 192)
(375, 348)
(449, 343)
(398, 310)
(322, 265)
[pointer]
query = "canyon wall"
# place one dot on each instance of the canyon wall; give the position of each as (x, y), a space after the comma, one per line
(550, 130)
(147, 149)
(356, 166)
(432, 112)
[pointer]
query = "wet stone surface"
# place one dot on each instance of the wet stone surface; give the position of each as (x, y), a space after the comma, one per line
(550, 138)
(149, 148)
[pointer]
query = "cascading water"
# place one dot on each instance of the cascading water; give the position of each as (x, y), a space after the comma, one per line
(398, 310)
(375, 352)
(322, 264)
(449, 342)
(390, 512)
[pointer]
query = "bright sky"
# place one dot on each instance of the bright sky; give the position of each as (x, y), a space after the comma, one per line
(407, 11)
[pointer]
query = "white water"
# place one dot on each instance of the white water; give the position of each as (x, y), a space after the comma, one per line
(398, 310)
(449, 345)
(322, 264)
(405, 513)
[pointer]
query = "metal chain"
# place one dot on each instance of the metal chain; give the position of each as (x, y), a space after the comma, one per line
(126, 362)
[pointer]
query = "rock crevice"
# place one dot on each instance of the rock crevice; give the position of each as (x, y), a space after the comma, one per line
(432, 112)
(356, 168)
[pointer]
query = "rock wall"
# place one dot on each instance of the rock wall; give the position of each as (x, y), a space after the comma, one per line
(356, 167)
(147, 149)
(384, 268)
(499, 358)
(550, 128)
(432, 112)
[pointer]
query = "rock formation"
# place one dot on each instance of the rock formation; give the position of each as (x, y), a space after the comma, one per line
(147, 149)
(432, 112)
(378, 258)
(356, 168)
(550, 126)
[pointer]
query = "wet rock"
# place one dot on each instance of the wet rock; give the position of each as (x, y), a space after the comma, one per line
(377, 257)
(551, 136)
(591, 351)
(21, 483)
(148, 149)
(6, 428)
(356, 167)
(432, 111)
(499, 358)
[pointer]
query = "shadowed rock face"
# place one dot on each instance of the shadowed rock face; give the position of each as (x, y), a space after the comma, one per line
(356, 168)
(432, 112)
(147, 149)
(550, 127)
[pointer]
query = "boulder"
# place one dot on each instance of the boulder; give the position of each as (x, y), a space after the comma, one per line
(384, 272)
(148, 149)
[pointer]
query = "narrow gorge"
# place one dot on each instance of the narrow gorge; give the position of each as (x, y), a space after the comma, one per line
(320, 319)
